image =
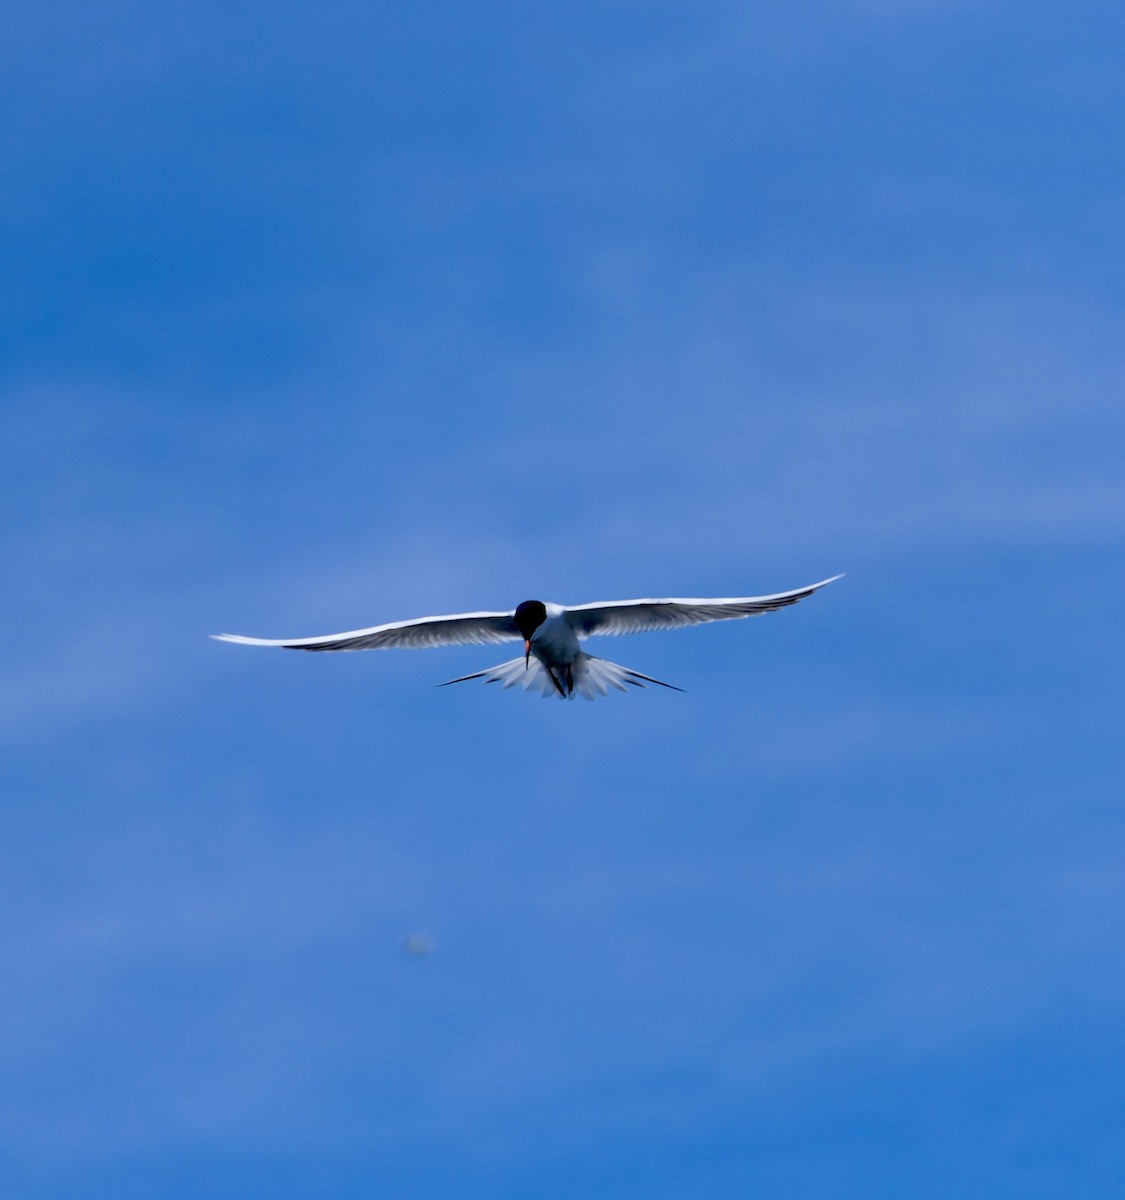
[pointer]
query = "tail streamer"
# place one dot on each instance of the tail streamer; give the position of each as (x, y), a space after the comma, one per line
(593, 677)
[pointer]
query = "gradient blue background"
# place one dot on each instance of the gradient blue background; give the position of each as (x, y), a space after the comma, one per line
(313, 319)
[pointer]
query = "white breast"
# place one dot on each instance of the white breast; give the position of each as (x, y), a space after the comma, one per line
(555, 642)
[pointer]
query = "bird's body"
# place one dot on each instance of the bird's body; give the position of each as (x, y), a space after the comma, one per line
(553, 662)
(555, 643)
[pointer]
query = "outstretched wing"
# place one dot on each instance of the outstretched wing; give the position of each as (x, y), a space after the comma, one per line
(640, 616)
(457, 630)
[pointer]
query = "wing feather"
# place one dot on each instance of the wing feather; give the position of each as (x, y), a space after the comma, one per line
(615, 617)
(457, 630)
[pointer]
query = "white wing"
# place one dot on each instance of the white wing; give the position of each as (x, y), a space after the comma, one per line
(640, 616)
(459, 629)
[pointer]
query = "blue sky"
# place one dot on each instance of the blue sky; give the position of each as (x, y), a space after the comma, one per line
(313, 320)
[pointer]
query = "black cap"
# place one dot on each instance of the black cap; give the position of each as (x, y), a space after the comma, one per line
(529, 616)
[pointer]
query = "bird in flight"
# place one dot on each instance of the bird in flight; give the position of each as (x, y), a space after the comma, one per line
(553, 662)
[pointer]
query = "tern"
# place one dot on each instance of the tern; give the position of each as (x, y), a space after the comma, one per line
(553, 662)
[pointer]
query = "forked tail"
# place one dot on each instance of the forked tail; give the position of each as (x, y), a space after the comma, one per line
(590, 678)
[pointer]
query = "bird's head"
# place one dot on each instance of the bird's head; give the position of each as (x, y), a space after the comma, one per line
(529, 616)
